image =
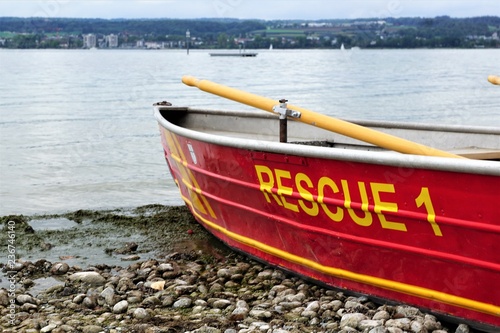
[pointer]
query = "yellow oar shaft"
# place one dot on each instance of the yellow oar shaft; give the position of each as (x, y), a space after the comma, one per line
(494, 79)
(316, 119)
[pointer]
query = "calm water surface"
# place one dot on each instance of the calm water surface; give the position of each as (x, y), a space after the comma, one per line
(77, 128)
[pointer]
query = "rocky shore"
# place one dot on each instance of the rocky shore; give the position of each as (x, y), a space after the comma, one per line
(183, 288)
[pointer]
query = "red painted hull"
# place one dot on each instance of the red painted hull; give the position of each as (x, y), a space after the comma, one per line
(424, 237)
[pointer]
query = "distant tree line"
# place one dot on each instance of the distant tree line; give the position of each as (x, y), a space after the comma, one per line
(416, 32)
(199, 27)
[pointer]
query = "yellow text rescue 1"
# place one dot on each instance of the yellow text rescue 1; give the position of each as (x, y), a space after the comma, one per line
(300, 198)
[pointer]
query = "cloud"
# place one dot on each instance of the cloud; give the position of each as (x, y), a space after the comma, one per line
(246, 9)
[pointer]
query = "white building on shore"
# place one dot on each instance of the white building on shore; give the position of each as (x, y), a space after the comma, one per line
(112, 41)
(89, 41)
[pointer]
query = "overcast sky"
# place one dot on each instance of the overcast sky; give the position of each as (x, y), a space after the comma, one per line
(247, 9)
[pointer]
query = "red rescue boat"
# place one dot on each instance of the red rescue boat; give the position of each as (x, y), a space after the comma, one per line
(359, 206)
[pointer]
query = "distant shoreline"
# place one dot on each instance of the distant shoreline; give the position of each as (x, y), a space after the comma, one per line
(260, 50)
(225, 33)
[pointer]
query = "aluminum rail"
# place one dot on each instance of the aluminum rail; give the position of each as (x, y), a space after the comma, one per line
(316, 119)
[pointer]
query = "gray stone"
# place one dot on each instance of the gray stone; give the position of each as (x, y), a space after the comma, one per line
(401, 323)
(290, 305)
(299, 297)
(48, 328)
(369, 324)
(239, 313)
(92, 329)
(417, 326)
(242, 304)
(184, 289)
(165, 267)
(182, 303)
(28, 307)
(408, 311)
(90, 302)
(224, 273)
(124, 283)
(221, 304)
(265, 275)
(67, 328)
(120, 307)
(351, 320)
(336, 305)
(59, 268)
(22, 299)
(260, 314)
(355, 306)
(381, 315)
(431, 323)
(151, 301)
(92, 278)
(462, 328)
(79, 298)
(132, 257)
(141, 313)
(308, 314)
(206, 329)
(4, 297)
(313, 306)
(108, 295)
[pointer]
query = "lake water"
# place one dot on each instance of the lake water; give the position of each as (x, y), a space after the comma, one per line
(77, 127)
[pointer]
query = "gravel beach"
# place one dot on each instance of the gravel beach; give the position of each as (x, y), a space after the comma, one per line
(154, 269)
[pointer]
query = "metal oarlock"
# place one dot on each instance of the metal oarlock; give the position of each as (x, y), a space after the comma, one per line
(284, 113)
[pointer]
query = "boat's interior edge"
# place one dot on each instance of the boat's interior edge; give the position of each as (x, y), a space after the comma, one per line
(250, 125)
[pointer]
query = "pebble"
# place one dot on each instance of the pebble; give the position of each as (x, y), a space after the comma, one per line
(196, 295)
(141, 313)
(48, 328)
(59, 268)
(92, 278)
(120, 307)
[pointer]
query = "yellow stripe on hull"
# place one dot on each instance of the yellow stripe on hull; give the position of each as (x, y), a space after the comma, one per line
(400, 287)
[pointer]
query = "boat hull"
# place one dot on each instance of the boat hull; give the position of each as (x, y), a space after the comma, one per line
(422, 236)
(244, 54)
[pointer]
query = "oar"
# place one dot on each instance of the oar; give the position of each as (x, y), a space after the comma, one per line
(316, 119)
(494, 79)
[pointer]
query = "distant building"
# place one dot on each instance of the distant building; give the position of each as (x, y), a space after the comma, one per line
(112, 41)
(152, 45)
(89, 41)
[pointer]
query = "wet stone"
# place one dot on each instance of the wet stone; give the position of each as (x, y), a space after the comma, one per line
(59, 268)
(92, 278)
(132, 257)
